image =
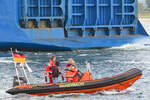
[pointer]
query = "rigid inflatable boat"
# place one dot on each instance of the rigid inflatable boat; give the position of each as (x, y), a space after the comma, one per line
(119, 82)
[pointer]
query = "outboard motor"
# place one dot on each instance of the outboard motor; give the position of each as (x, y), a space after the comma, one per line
(22, 80)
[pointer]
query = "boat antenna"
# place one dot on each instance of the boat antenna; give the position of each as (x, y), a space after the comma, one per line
(88, 67)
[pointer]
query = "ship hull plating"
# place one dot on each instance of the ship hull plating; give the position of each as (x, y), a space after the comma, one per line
(69, 24)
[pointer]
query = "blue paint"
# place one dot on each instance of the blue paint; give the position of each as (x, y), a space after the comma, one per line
(69, 24)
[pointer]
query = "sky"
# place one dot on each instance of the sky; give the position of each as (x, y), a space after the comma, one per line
(141, 1)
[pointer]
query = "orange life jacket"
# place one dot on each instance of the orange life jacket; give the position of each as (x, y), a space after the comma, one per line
(71, 73)
(49, 70)
(49, 66)
(75, 75)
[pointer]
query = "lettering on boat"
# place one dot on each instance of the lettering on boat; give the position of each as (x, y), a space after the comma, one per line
(72, 85)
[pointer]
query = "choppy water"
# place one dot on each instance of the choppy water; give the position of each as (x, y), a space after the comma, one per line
(104, 63)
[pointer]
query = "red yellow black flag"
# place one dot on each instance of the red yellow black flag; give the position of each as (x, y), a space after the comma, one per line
(19, 58)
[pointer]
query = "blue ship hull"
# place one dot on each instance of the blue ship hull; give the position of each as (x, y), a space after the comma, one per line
(69, 24)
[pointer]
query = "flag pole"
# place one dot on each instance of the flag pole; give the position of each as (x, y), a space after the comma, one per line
(29, 70)
(17, 73)
(25, 73)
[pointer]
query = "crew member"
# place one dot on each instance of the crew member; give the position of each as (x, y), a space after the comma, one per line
(71, 71)
(49, 68)
(56, 73)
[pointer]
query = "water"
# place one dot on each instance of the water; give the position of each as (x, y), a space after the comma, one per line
(104, 63)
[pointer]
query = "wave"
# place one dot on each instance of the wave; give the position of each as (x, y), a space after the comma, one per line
(132, 47)
(82, 55)
(6, 59)
(114, 92)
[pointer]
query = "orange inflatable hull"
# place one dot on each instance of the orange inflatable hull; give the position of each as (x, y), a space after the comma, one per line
(119, 82)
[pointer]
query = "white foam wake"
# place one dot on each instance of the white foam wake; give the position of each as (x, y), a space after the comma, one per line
(6, 59)
(132, 47)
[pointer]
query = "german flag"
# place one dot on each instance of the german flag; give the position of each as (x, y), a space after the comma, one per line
(18, 57)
